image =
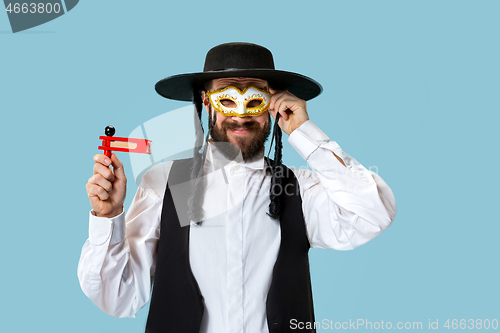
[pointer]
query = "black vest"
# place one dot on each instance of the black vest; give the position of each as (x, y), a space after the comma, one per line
(176, 302)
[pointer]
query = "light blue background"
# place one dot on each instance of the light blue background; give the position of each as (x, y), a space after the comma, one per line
(411, 87)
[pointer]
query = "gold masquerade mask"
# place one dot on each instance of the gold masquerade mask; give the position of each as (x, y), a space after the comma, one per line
(231, 101)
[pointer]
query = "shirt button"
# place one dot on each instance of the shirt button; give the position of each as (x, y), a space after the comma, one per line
(236, 167)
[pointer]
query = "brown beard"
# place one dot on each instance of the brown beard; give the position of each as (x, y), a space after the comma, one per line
(249, 148)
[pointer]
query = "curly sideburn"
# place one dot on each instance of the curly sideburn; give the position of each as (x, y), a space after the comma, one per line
(276, 191)
(196, 193)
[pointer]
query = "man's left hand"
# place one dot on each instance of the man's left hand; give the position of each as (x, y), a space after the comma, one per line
(293, 110)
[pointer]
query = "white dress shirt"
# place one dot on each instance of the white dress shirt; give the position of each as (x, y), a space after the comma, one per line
(233, 251)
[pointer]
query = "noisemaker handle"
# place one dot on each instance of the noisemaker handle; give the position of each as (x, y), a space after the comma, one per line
(108, 131)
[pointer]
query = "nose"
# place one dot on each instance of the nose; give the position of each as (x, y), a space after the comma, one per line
(242, 120)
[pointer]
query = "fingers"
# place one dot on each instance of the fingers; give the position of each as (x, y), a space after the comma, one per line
(281, 104)
(118, 170)
(106, 188)
(102, 167)
(281, 101)
(284, 104)
(275, 92)
(102, 159)
(95, 190)
(104, 171)
(272, 113)
(276, 95)
(98, 186)
(101, 181)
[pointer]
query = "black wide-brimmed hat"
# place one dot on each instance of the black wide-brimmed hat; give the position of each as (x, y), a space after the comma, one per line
(238, 60)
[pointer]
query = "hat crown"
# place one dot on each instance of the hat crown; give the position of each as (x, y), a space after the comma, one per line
(238, 56)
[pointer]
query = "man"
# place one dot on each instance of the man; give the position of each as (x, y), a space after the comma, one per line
(239, 263)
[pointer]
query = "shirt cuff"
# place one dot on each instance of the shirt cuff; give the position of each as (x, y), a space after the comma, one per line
(307, 138)
(102, 229)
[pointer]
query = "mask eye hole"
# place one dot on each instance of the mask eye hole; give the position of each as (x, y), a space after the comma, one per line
(228, 103)
(253, 103)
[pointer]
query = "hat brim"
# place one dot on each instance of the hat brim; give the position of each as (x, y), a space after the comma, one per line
(181, 87)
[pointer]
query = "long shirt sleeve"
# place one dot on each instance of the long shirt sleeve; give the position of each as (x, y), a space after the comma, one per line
(344, 206)
(118, 259)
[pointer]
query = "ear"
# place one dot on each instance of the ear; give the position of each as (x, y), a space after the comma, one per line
(204, 98)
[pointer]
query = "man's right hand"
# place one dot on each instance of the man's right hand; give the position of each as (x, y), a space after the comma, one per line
(107, 188)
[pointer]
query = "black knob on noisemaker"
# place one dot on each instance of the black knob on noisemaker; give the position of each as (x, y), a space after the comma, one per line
(109, 131)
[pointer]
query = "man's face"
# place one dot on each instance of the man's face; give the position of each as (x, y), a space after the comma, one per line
(248, 133)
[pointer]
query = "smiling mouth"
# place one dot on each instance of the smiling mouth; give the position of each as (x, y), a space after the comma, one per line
(239, 130)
